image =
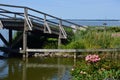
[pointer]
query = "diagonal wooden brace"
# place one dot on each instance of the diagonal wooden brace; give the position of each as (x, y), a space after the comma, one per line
(1, 25)
(16, 40)
(62, 33)
(46, 26)
(29, 23)
(4, 40)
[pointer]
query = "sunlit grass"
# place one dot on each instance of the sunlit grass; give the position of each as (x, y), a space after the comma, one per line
(94, 39)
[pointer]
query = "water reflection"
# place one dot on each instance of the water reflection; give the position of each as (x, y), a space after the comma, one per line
(3, 69)
(36, 69)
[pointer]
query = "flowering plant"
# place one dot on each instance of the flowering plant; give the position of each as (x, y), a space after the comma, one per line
(92, 58)
(95, 67)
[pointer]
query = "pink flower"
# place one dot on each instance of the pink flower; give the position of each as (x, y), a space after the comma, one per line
(92, 58)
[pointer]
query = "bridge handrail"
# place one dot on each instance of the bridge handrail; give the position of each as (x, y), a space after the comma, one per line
(26, 16)
(24, 7)
(55, 17)
(22, 14)
(12, 6)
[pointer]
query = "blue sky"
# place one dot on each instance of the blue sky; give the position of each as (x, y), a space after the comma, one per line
(74, 9)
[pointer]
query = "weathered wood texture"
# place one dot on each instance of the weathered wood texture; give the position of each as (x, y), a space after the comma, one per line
(72, 50)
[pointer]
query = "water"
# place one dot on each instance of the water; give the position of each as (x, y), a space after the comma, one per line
(96, 22)
(36, 69)
(92, 22)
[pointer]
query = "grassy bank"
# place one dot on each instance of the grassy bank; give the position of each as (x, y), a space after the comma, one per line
(91, 38)
(94, 38)
(106, 66)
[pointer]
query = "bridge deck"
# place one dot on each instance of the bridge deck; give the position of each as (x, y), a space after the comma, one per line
(18, 24)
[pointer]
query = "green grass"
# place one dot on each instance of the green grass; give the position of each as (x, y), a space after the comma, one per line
(93, 39)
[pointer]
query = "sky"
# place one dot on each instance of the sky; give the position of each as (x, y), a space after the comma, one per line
(73, 9)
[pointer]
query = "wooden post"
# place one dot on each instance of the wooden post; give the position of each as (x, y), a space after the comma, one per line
(75, 56)
(24, 69)
(25, 54)
(45, 23)
(104, 24)
(59, 42)
(10, 37)
(24, 43)
(60, 34)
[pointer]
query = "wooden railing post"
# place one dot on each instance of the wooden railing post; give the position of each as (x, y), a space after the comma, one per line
(44, 23)
(60, 34)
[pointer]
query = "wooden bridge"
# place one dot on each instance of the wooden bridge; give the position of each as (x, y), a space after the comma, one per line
(25, 19)
(28, 20)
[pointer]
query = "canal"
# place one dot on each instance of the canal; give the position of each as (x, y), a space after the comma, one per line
(36, 69)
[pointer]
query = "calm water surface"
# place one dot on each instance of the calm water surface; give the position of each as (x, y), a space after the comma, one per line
(36, 69)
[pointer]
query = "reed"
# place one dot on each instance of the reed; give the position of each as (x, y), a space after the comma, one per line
(94, 39)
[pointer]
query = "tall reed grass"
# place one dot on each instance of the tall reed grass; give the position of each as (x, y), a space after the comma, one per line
(94, 39)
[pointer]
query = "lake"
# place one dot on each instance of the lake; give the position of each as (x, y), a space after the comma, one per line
(97, 22)
(36, 69)
(47, 68)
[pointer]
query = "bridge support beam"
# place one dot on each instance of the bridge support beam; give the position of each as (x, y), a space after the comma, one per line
(25, 54)
(7, 43)
(4, 40)
(10, 37)
(24, 44)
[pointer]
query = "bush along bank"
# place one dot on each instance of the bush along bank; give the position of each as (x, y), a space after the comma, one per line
(95, 67)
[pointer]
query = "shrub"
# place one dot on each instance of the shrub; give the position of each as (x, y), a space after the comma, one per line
(99, 70)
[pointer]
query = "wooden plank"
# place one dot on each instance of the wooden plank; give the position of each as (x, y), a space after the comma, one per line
(72, 50)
